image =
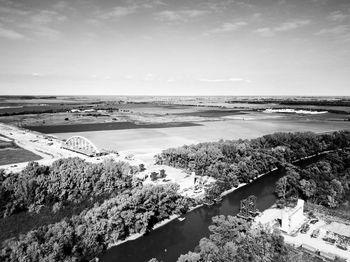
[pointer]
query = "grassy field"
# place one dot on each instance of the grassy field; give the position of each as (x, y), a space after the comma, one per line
(16, 155)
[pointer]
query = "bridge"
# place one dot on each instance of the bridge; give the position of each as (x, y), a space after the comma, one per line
(81, 145)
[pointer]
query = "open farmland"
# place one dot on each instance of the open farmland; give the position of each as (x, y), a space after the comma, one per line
(147, 142)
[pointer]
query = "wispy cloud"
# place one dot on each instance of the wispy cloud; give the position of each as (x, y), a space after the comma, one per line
(119, 11)
(227, 27)
(286, 26)
(265, 31)
(9, 34)
(43, 31)
(13, 11)
(232, 79)
(338, 16)
(32, 21)
(179, 15)
(37, 74)
(43, 23)
(130, 7)
(319, 2)
(291, 25)
(336, 30)
(218, 6)
(45, 17)
(60, 5)
(147, 3)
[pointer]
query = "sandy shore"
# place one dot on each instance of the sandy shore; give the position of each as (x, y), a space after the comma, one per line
(243, 184)
(232, 189)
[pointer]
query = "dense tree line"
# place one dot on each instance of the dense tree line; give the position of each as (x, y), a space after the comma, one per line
(325, 182)
(57, 108)
(234, 239)
(233, 162)
(83, 237)
(66, 180)
(34, 111)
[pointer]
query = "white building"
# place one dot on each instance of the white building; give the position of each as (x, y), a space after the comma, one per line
(287, 219)
(292, 218)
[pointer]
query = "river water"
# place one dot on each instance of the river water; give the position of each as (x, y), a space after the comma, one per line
(167, 243)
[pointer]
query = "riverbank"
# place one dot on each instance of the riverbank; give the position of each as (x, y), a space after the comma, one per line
(229, 191)
(176, 238)
(244, 184)
(156, 226)
(223, 194)
(173, 217)
(138, 235)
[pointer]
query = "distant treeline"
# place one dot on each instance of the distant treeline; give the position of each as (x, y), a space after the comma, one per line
(35, 111)
(28, 110)
(28, 97)
(323, 102)
(241, 161)
(325, 182)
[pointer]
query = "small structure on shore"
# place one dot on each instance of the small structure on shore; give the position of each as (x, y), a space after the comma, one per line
(197, 180)
(248, 208)
(292, 218)
(288, 219)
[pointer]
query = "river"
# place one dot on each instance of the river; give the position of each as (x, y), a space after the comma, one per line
(167, 243)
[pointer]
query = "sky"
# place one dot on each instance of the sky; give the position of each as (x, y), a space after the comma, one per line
(175, 47)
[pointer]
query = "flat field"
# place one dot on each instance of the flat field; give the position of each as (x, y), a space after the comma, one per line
(147, 142)
(147, 125)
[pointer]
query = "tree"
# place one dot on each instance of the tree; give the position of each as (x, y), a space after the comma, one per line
(162, 173)
(189, 257)
(281, 187)
(233, 239)
(153, 260)
(142, 167)
(86, 235)
(308, 187)
(154, 176)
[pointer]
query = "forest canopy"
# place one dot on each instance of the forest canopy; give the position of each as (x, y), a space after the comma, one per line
(83, 237)
(66, 180)
(325, 182)
(240, 161)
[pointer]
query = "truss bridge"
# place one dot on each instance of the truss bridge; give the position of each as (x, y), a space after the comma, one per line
(81, 145)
